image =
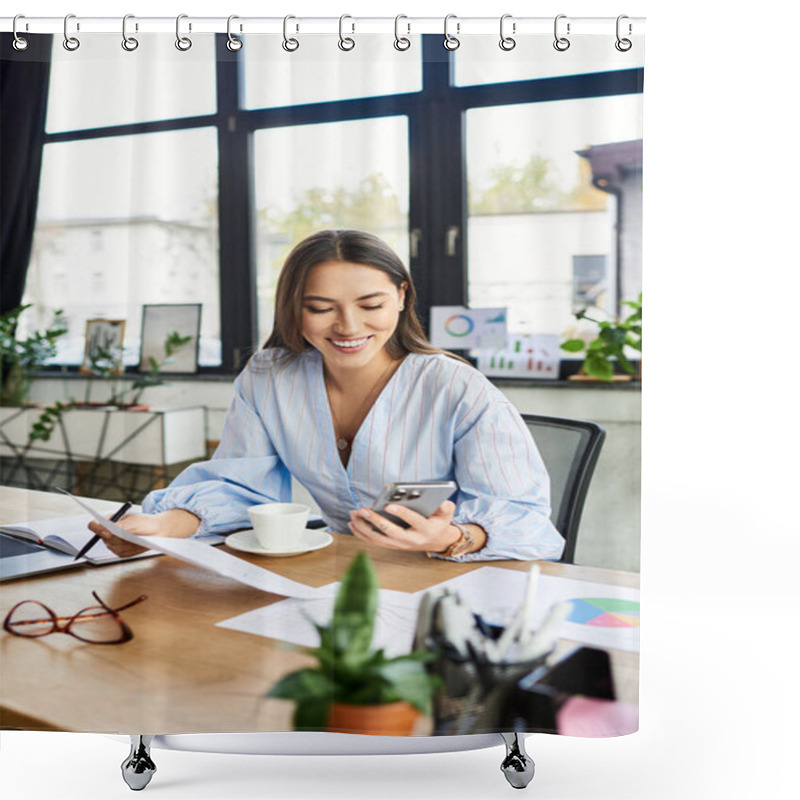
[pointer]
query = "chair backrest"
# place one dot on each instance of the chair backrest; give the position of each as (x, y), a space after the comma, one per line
(569, 449)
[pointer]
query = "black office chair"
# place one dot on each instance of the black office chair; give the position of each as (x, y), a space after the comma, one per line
(569, 449)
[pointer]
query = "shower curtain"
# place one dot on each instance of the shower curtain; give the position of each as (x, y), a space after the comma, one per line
(153, 184)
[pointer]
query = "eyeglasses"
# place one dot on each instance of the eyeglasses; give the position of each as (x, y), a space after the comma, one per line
(98, 624)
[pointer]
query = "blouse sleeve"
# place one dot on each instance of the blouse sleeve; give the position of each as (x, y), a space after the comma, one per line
(503, 483)
(244, 471)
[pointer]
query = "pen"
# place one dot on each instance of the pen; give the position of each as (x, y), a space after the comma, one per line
(118, 515)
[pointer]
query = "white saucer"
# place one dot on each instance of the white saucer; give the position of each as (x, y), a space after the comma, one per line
(310, 540)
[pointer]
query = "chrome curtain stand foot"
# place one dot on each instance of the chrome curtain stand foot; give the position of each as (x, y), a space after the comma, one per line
(517, 766)
(138, 768)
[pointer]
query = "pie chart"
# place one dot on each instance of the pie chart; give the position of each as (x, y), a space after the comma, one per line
(604, 612)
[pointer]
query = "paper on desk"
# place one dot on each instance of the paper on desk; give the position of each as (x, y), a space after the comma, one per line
(202, 555)
(497, 593)
(287, 621)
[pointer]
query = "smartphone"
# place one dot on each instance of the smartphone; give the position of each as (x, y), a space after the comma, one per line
(424, 498)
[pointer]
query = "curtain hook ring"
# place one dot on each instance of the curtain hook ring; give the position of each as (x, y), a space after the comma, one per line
(561, 43)
(289, 44)
(345, 42)
(401, 42)
(183, 43)
(507, 42)
(623, 45)
(20, 43)
(233, 44)
(70, 42)
(128, 42)
(451, 42)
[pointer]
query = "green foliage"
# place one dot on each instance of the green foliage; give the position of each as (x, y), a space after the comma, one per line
(43, 428)
(20, 358)
(609, 346)
(349, 670)
(172, 344)
(107, 365)
(535, 186)
(372, 205)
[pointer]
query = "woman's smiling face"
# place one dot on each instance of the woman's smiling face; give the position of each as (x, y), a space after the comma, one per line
(350, 312)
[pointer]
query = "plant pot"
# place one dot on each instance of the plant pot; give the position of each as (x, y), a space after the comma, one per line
(388, 719)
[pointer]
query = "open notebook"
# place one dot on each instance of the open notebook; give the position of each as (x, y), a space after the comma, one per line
(30, 548)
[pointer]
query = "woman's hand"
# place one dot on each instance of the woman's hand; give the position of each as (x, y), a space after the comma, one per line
(176, 522)
(431, 534)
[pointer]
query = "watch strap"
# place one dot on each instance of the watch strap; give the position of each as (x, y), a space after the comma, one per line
(462, 545)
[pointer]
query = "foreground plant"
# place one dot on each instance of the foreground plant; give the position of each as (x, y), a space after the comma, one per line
(350, 670)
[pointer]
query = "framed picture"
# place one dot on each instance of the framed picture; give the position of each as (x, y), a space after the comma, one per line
(171, 337)
(104, 342)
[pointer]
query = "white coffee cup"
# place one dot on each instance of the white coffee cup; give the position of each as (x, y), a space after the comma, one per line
(279, 526)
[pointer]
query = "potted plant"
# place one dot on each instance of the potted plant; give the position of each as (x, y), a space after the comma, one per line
(610, 344)
(355, 688)
(20, 358)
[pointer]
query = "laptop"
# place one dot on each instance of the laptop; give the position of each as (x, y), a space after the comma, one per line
(20, 558)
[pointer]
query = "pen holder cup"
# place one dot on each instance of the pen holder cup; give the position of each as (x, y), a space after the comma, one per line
(473, 692)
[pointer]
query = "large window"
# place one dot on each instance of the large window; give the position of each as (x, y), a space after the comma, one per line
(331, 175)
(533, 209)
(109, 240)
(449, 156)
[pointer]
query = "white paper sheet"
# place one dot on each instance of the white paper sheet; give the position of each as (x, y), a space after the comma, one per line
(505, 591)
(497, 593)
(287, 621)
(202, 555)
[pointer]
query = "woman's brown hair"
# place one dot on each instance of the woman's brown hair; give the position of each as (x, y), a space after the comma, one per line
(357, 247)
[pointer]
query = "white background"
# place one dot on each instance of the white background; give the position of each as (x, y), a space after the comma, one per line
(719, 701)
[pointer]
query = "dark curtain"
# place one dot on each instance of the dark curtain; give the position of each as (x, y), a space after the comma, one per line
(24, 81)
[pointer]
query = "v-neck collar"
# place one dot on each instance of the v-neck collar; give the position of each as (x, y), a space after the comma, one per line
(324, 411)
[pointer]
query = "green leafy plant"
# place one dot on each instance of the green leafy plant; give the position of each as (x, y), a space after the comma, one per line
(610, 344)
(20, 358)
(107, 365)
(350, 670)
(172, 344)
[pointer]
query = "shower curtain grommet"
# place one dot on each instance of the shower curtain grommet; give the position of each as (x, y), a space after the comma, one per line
(623, 44)
(19, 43)
(289, 44)
(128, 43)
(70, 42)
(233, 44)
(561, 43)
(182, 43)
(507, 43)
(401, 43)
(346, 43)
(451, 42)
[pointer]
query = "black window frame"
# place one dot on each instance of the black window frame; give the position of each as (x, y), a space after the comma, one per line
(437, 179)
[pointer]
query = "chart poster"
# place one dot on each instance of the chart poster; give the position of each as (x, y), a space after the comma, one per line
(535, 356)
(461, 328)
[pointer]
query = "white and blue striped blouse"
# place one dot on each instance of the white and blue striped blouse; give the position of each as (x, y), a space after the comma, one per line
(436, 419)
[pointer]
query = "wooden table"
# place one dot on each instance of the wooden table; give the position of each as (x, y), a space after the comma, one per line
(181, 673)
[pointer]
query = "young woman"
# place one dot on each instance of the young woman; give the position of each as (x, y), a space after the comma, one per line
(347, 396)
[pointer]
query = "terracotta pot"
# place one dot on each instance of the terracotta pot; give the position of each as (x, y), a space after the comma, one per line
(388, 719)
